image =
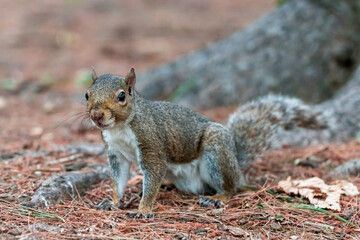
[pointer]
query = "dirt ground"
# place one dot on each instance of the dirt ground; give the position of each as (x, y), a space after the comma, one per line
(46, 54)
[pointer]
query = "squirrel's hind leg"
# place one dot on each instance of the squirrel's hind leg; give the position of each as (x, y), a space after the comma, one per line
(219, 168)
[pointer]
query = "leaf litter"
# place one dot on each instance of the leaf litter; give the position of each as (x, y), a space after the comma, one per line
(320, 194)
(260, 210)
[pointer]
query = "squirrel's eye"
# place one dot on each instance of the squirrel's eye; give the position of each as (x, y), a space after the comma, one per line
(121, 97)
(86, 96)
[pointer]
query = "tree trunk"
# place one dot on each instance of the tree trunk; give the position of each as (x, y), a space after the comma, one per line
(305, 48)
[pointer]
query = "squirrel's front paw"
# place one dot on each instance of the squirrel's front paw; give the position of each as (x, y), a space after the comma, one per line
(107, 205)
(139, 215)
(205, 201)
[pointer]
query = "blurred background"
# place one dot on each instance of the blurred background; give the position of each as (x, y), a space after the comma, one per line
(208, 55)
(54, 42)
(47, 50)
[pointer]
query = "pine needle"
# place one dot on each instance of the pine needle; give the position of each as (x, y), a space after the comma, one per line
(23, 210)
(316, 209)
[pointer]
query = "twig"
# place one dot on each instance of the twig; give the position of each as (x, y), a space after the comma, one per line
(319, 225)
(66, 159)
(127, 204)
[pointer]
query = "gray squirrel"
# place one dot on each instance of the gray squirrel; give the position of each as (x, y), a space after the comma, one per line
(197, 155)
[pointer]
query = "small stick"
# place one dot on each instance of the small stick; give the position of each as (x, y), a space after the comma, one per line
(66, 159)
(319, 225)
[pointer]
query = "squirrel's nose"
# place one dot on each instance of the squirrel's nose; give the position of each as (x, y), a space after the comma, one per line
(98, 116)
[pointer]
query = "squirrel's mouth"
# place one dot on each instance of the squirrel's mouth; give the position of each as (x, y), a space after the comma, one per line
(100, 124)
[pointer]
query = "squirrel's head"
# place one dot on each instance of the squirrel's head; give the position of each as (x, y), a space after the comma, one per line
(109, 99)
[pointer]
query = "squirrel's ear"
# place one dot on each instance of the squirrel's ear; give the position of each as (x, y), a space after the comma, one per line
(93, 74)
(130, 80)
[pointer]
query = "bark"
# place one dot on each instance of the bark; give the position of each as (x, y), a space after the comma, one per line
(305, 48)
(59, 188)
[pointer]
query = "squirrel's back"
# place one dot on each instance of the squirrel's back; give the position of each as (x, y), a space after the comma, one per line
(174, 124)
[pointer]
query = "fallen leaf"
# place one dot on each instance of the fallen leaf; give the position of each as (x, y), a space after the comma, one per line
(237, 232)
(320, 194)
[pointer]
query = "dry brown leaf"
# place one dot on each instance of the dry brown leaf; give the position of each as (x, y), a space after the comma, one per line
(320, 194)
(237, 232)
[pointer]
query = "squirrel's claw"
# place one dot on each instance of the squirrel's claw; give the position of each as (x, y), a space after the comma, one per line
(205, 201)
(138, 215)
(107, 205)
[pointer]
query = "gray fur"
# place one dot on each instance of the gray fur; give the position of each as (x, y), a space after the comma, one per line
(255, 125)
(211, 172)
(114, 164)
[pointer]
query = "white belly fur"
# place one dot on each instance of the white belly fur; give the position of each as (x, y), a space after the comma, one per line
(122, 141)
(186, 177)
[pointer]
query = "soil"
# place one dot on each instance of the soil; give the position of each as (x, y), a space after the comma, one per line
(45, 53)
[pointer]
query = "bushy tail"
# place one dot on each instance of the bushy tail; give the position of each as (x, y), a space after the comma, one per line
(255, 124)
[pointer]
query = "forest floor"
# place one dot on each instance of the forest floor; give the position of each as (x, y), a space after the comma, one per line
(42, 119)
(262, 212)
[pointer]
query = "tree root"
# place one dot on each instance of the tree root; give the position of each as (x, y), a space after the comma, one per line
(67, 186)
